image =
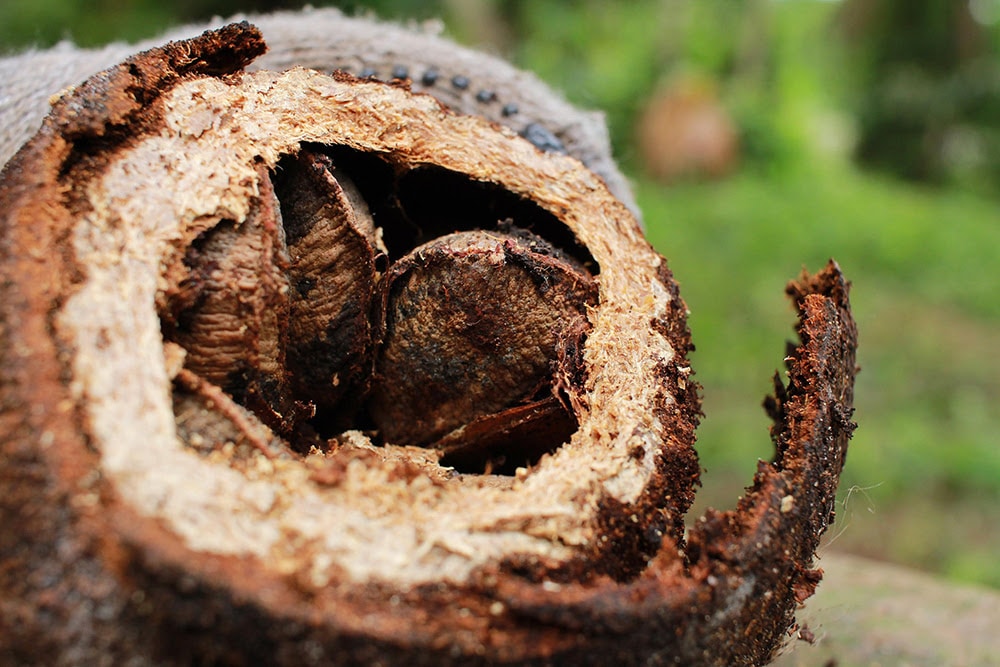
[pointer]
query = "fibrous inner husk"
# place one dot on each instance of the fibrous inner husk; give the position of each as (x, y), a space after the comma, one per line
(417, 528)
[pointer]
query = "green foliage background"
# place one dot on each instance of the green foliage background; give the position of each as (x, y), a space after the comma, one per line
(800, 77)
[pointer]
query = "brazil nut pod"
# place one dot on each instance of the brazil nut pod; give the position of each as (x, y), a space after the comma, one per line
(314, 495)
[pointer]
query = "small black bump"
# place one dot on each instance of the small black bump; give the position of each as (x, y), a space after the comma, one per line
(400, 72)
(460, 82)
(367, 73)
(485, 96)
(430, 77)
(542, 138)
(304, 285)
(509, 109)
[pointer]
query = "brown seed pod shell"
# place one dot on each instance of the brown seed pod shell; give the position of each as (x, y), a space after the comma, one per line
(121, 541)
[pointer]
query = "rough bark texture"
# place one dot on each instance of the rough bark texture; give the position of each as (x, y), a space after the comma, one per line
(125, 540)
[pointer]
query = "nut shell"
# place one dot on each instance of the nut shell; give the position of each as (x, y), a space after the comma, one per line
(122, 542)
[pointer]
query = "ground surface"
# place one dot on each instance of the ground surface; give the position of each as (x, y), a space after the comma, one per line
(868, 614)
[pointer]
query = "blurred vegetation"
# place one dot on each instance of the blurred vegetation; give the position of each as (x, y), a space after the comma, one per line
(928, 103)
(820, 92)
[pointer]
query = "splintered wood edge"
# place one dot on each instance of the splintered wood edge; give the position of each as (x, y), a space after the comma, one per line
(199, 166)
(750, 568)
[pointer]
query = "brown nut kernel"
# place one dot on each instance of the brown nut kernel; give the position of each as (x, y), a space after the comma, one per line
(473, 327)
(333, 247)
(228, 307)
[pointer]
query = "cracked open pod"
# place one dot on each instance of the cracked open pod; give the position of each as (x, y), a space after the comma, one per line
(305, 369)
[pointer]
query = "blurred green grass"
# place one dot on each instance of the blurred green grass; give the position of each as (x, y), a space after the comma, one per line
(922, 482)
(923, 471)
